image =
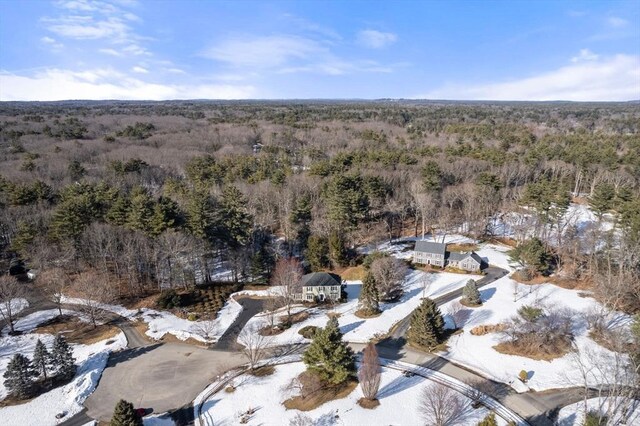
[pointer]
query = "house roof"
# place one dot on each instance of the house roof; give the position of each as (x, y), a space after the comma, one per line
(461, 256)
(430, 247)
(320, 279)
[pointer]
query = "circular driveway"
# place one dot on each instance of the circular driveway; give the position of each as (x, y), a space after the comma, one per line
(160, 377)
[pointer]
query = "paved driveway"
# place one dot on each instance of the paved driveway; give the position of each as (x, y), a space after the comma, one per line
(159, 377)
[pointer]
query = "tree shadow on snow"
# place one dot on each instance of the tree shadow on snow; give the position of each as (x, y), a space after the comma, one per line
(487, 294)
(350, 327)
(399, 384)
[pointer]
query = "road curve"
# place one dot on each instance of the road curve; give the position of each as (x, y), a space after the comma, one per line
(493, 273)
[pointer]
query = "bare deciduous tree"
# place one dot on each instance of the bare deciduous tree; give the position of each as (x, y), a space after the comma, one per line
(442, 406)
(389, 273)
(287, 280)
(53, 283)
(206, 329)
(10, 291)
(458, 313)
(95, 290)
(614, 374)
(369, 372)
(254, 344)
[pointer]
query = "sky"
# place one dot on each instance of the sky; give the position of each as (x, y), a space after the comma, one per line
(310, 49)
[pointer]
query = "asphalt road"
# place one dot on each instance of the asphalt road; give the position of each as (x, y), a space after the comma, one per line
(158, 377)
(397, 334)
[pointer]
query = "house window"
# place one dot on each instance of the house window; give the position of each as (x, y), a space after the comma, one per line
(309, 296)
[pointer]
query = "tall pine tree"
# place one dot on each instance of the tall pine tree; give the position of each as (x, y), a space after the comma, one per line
(368, 298)
(125, 415)
(328, 356)
(20, 376)
(427, 325)
(41, 359)
(317, 253)
(602, 199)
(235, 222)
(62, 358)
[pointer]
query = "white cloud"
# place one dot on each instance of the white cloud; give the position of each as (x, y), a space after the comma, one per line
(614, 78)
(585, 55)
(263, 52)
(140, 70)
(617, 22)
(86, 27)
(110, 51)
(106, 83)
(53, 43)
(376, 39)
(175, 71)
(284, 54)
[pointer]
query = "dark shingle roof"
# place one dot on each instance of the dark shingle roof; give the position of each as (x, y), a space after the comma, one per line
(321, 279)
(461, 256)
(430, 247)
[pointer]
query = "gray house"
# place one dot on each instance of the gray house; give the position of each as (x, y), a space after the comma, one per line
(428, 253)
(436, 254)
(469, 261)
(320, 286)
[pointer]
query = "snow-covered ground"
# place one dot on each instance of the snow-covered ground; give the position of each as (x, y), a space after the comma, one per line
(573, 415)
(356, 329)
(17, 305)
(477, 352)
(41, 411)
(31, 321)
(522, 223)
(163, 322)
(399, 401)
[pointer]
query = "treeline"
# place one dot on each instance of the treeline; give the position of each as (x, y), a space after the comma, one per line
(159, 194)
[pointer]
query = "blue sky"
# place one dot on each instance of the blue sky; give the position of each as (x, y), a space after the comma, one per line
(502, 50)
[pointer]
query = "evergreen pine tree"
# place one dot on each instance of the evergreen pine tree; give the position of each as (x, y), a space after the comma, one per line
(368, 298)
(234, 219)
(19, 377)
(602, 199)
(337, 251)
(41, 359)
(470, 293)
(427, 325)
(489, 420)
(140, 210)
(317, 253)
(328, 356)
(62, 357)
(119, 211)
(125, 415)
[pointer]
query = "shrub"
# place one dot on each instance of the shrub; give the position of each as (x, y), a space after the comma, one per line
(192, 316)
(595, 418)
(529, 313)
(489, 420)
(308, 331)
(523, 376)
(169, 299)
(523, 275)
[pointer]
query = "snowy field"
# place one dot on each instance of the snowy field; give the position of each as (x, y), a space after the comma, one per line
(399, 401)
(573, 415)
(17, 305)
(518, 224)
(477, 352)
(362, 330)
(162, 322)
(41, 411)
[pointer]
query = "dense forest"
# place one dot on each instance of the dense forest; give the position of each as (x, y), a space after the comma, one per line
(168, 194)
